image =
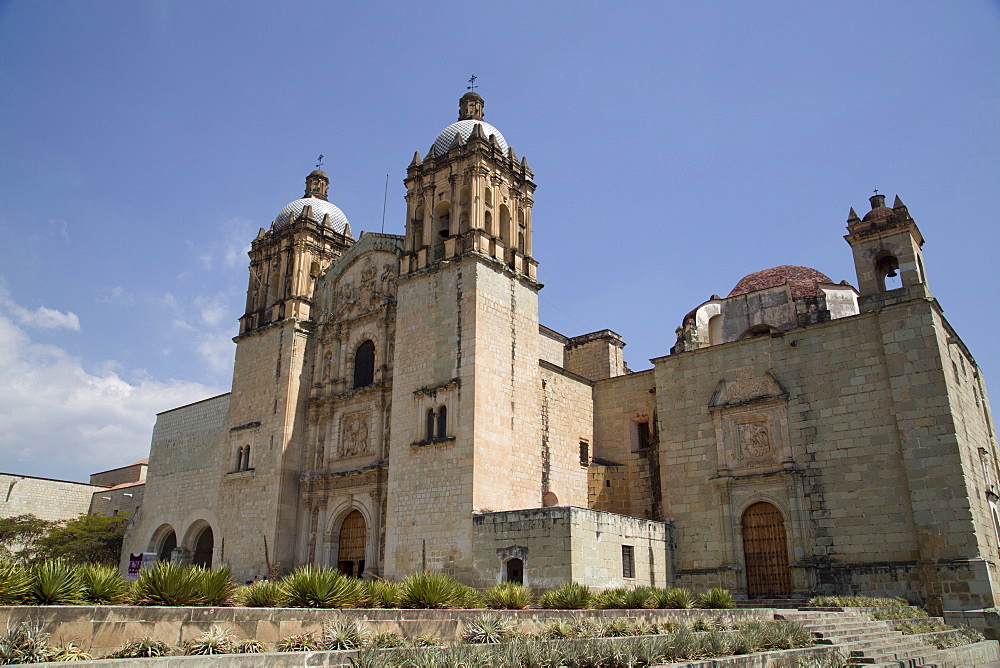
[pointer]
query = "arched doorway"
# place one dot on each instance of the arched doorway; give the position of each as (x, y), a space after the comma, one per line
(351, 545)
(167, 545)
(765, 551)
(514, 571)
(203, 548)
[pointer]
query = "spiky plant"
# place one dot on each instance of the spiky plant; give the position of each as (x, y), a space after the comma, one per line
(568, 596)
(673, 598)
(14, 583)
(299, 642)
(716, 598)
(103, 584)
(426, 641)
(380, 593)
(249, 647)
(167, 583)
(386, 640)
(70, 652)
(469, 598)
(216, 585)
(638, 597)
(138, 648)
(488, 628)
(609, 599)
(309, 587)
(55, 583)
(345, 634)
(431, 590)
(217, 640)
(507, 596)
(617, 628)
(261, 594)
(24, 643)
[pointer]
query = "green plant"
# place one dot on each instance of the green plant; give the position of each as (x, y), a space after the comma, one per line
(430, 590)
(141, 648)
(216, 585)
(70, 652)
(672, 598)
(309, 587)
(638, 597)
(381, 593)
(345, 634)
(167, 583)
(24, 643)
(103, 584)
(568, 596)
(300, 642)
(488, 628)
(617, 628)
(716, 598)
(216, 640)
(559, 629)
(14, 583)
(249, 647)
(55, 583)
(609, 599)
(469, 598)
(962, 635)
(507, 596)
(426, 641)
(386, 640)
(261, 594)
(895, 613)
(856, 602)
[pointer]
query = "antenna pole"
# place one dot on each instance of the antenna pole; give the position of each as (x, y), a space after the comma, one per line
(385, 197)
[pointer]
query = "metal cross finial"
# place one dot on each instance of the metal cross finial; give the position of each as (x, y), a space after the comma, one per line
(472, 83)
(876, 191)
(320, 161)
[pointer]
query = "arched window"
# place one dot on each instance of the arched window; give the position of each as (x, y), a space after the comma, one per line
(203, 547)
(489, 197)
(364, 365)
(429, 432)
(887, 272)
(442, 422)
(505, 224)
(488, 223)
(418, 228)
(245, 463)
(239, 459)
(167, 545)
(715, 330)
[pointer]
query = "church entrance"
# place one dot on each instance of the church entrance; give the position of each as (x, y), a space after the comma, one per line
(203, 548)
(351, 545)
(514, 571)
(765, 551)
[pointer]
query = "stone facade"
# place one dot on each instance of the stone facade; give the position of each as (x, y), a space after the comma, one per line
(397, 406)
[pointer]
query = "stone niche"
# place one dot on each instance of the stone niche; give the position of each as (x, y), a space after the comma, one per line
(750, 414)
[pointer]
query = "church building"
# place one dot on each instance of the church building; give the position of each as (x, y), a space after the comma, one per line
(397, 406)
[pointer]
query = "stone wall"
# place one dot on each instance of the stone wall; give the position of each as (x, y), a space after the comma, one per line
(567, 422)
(45, 498)
(119, 476)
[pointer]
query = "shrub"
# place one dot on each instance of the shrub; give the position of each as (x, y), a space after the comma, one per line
(488, 628)
(381, 593)
(249, 647)
(638, 597)
(431, 590)
(716, 598)
(569, 596)
(892, 614)
(507, 596)
(300, 642)
(216, 640)
(673, 598)
(216, 585)
(55, 583)
(167, 583)
(426, 641)
(856, 602)
(963, 635)
(345, 634)
(386, 640)
(24, 643)
(308, 587)
(141, 648)
(103, 584)
(261, 594)
(609, 599)
(70, 652)
(14, 583)
(469, 598)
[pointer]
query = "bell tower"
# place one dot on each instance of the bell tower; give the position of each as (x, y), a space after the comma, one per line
(887, 254)
(466, 432)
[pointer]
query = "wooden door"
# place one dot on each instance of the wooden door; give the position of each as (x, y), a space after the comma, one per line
(765, 551)
(351, 551)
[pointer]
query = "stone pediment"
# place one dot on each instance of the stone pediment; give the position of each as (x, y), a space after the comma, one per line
(745, 388)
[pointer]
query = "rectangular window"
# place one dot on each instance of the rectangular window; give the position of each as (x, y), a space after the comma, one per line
(639, 434)
(584, 453)
(628, 561)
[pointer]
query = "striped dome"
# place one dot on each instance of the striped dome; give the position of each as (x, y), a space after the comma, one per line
(443, 141)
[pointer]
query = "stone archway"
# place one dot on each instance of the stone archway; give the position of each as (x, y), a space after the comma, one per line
(203, 547)
(352, 544)
(168, 544)
(765, 551)
(513, 571)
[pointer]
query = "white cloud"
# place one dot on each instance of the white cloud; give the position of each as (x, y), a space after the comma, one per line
(42, 317)
(118, 295)
(59, 420)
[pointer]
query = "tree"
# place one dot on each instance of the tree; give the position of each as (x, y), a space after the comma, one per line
(88, 539)
(19, 534)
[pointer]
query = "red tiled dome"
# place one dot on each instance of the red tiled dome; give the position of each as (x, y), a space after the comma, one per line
(801, 280)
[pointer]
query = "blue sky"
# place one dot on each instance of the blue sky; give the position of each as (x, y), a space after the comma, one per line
(676, 146)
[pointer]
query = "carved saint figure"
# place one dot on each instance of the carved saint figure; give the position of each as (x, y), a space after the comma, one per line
(755, 441)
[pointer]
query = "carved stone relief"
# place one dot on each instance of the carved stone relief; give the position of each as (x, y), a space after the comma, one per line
(753, 438)
(354, 439)
(751, 424)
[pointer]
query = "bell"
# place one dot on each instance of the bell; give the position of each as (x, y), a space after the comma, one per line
(891, 274)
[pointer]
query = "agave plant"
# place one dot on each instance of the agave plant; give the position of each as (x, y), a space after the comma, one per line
(426, 641)
(299, 642)
(488, 628)
(14, 582)
(345, 634)
(309, 587)
(673, 598)
(103, 584)
(568, 596)
(638, 597)
(507, 596)
(24, 643)
(381, 593)
(217, 640)
(261, 594)
(216, 585)
(609, 599)
(55, 583)
(716, 598)
(249, 647)
(430, 590)
(167, 583)
(70, 652)
(141, 648)
(386, 640)
(469, 598)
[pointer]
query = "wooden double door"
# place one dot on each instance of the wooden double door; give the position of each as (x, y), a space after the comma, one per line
(765, 551)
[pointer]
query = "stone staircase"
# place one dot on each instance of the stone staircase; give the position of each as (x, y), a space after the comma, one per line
(864, 642)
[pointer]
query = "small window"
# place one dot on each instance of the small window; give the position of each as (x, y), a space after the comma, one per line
(429, 431)
(628, 561)
(245, 465)
(584, 453)
(442, 422)
(364, 365)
